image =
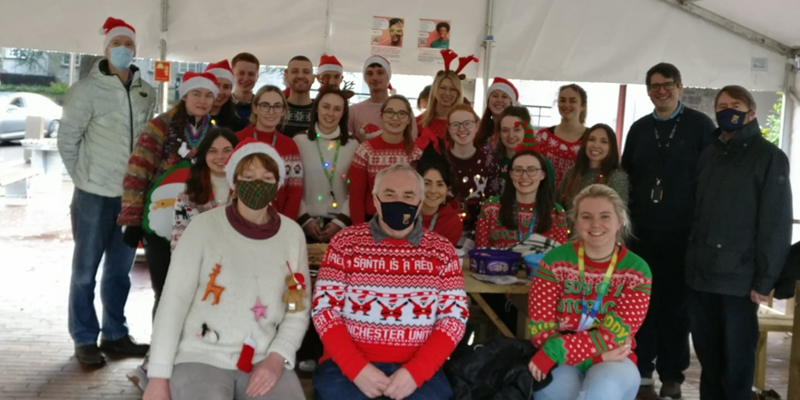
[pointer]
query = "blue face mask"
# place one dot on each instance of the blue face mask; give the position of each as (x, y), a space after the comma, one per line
(121, 57)
(730, 120)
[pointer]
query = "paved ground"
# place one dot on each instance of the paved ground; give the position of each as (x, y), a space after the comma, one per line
(35, 349)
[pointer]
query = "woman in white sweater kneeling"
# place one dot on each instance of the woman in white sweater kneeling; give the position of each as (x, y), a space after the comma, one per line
(235, 305)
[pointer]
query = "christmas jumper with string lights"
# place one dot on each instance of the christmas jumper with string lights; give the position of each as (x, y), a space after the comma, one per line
(555, 307)
(475, 181)
(289, 196)
(490, 233)
(379, 299)
(371, 157)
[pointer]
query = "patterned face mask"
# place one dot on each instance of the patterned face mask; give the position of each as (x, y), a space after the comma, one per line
(256, 194)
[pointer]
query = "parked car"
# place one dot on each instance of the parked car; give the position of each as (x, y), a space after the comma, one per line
(15, 107)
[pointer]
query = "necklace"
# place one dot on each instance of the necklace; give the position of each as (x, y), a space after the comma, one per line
(329, 174)
(603, 258)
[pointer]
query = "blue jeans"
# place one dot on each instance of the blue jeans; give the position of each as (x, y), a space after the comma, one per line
(613, 380)
(96, 233)
(330, 383)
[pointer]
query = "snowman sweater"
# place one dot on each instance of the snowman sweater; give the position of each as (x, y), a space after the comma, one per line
(158, 149)
(223, 287)
(371, 157)
(555, 307)
(379, 299)
(492, 234)
(289, 196)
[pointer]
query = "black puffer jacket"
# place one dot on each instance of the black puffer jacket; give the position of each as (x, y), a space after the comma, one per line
(496, 370)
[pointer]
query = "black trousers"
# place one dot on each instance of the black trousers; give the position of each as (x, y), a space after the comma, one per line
(662, 343)
(158, 255)
(725, 335)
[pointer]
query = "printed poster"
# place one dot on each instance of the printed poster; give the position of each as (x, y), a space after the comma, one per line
(434, 35)
(387, 36)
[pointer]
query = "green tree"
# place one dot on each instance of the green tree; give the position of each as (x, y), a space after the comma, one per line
(772, 130)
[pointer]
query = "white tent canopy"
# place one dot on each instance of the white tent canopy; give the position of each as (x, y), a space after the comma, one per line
(567, 40)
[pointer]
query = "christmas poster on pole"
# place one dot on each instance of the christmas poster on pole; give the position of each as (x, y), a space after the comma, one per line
(387, 36)
(434, 35)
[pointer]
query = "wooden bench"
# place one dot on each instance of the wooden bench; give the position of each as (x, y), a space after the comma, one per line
(770, 320)
(16, 182)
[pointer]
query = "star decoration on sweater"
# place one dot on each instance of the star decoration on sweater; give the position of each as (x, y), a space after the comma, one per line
(259, 310)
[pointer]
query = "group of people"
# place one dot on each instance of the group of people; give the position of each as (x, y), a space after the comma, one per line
(399, 200)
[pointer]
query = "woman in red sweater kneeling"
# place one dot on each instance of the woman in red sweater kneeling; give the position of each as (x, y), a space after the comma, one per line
(587, 301)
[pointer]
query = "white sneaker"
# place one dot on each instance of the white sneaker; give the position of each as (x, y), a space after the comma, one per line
(139, 376)
(307, 365)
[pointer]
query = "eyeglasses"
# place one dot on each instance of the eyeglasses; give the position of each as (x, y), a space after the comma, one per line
(654, 87)
(266, 107)
(454, 126)
(518, 171)
(401, 115)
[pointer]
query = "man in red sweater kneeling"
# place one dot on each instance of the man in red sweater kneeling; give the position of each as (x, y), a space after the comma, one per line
(389, 302)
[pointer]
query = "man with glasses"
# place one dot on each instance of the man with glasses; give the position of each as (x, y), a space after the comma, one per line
(661, 154)
(298, 76)
(389, 302)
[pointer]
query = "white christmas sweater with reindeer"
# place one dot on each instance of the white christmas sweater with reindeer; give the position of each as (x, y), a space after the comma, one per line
(224, 287)
(379, 299)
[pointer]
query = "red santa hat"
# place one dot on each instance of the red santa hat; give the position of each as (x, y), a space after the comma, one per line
(506, 87)
(329, 64)
(250, 146)
(116, 27)
(380, 61)
(222, 70)
(198, 80)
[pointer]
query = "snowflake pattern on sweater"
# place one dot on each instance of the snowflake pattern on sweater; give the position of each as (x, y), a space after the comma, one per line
(389, 301)
(290, 195)
(555, 307)
(562, 154)
(371, 157)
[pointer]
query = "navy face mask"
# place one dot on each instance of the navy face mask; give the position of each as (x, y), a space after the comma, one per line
(730, 120)
(398, 215)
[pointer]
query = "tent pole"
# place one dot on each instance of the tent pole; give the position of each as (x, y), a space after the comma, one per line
(488, 42)
(163, 87)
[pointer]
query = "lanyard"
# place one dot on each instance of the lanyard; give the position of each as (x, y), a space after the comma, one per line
(274, 137)
(433, 221)
(328, 174)
(672, 133)
(587, 317)
(530, 228)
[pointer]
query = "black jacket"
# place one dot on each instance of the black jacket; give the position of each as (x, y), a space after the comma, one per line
(743, 216)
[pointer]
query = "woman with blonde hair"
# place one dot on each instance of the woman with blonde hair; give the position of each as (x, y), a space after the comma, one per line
(446, 92)
(587, 300)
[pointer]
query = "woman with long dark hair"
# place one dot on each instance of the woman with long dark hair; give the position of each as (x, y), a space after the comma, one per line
(512, 133)
(597, 162)
(500, 95)
(439, 214)
(327, 150)
(525, 207)
(206, 187)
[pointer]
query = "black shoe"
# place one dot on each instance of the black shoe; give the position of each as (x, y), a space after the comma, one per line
(89, 355)
(125, 345)
(670, 390)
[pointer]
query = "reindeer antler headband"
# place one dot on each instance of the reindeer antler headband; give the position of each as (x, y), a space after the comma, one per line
(450, 55)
